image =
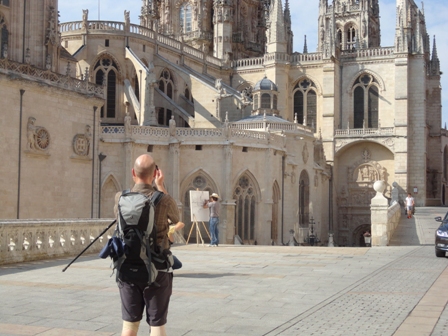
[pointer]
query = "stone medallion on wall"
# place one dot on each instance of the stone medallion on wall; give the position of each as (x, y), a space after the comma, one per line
(38, 138)
(81, 144)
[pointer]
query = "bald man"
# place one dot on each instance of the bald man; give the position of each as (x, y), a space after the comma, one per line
(135, 296)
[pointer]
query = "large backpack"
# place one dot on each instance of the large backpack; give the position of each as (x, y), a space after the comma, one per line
(136, 233)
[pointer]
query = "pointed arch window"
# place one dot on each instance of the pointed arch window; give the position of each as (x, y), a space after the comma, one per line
(445, 163)
(166, 85)
(275, 211)
(245, 211)
(351, 38)
(305, 103)
(365, 102)
(304, 199)
(185, 17)
(105, 72)
(4, 36)
(339, 37)
(198, 182)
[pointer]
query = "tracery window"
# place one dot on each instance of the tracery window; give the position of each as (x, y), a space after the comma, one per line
(304, 199)
(198, 182)
(339, 36)
(185, 17)
(244, 194)
(166, 85)
(305, 103)
(105, 71)
(4, 34)
(351, 38)
(365, 102)
(275, 211)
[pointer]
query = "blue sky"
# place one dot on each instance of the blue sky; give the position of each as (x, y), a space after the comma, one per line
(304, 19)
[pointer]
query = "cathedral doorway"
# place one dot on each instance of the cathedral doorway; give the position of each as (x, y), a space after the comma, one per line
(358, 235)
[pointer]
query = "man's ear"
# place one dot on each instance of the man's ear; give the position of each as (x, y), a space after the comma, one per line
(133, 172)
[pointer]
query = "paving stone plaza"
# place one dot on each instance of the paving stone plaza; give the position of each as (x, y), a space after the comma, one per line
(250, 290)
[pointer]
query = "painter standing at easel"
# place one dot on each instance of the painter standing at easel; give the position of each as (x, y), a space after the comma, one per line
(213, 205)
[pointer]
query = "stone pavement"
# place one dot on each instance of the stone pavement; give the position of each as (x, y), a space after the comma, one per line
(250, 290)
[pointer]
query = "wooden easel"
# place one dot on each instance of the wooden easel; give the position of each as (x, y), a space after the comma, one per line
(195, 224)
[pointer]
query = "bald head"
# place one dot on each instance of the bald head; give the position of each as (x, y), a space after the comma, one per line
(144, 168)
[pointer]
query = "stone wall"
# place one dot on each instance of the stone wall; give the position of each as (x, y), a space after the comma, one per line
(29, 240)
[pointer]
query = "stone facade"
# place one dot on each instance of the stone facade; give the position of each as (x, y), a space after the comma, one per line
(212, 89)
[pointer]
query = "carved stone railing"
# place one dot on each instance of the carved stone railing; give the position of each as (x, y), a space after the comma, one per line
(360, 132)
(370, 52)
(164, 41)
(192, 135)
(294, 59)
(27, 240)
(51, 78)
(271, 126)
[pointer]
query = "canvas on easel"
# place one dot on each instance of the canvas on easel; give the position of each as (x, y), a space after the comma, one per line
(198, 213)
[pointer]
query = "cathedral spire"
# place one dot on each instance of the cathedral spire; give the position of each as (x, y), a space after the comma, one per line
(277, 35)
(305, 47)
(434, 51)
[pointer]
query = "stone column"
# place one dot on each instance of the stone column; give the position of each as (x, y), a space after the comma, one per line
(174, 164)
(379, 216)
(227, 216)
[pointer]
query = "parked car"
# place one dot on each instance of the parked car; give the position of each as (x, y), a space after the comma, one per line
(442, 236)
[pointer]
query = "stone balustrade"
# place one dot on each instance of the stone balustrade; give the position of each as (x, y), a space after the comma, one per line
(384, 218)
(359, 132)
(160, 135)
(51, 78)
(368, 53)
(28, 240)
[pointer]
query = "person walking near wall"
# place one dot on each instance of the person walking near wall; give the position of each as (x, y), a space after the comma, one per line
(214, 206)
(410, 203)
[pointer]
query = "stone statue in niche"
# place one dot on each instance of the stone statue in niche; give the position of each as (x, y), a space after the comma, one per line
(172, 126)
(367, 173)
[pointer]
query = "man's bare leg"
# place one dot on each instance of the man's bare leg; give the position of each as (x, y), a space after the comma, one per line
(130, 328)
(158, 331)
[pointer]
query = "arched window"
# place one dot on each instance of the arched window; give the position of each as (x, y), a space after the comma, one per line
(198, 182)
(4, 35)
(445, 163)
(265, 101)
(185, 18)
(105, 71)
(166, 85)
(365, 102)
(351, 38)
(245, 211)
(305, 103)
(304, 199)
(339, 36)
(275, 211)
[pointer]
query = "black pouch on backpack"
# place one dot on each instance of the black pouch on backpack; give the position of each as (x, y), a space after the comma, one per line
(133, 273)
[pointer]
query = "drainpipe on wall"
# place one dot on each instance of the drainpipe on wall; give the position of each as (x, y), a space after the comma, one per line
(20, 153)
(93, 159)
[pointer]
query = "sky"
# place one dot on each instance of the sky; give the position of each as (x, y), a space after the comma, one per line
(304, 22)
